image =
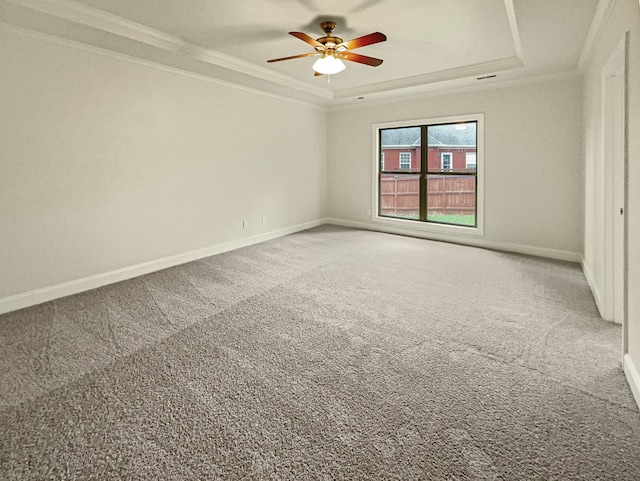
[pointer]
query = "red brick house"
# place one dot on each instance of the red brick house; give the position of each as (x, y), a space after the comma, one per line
(401, 150)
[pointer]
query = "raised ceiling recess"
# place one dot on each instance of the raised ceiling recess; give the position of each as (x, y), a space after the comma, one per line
(430, 44)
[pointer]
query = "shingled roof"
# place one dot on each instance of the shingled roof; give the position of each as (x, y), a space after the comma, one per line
(445, 135)
(404, 136)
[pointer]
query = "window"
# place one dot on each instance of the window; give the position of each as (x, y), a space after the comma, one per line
(405, 160)
(471, 161)
(446, 161)
(440, 192)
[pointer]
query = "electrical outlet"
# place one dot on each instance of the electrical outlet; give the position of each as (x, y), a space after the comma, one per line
(368, 211)
(245, 223)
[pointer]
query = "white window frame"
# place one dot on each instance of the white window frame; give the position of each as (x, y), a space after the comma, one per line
(475, 160)
(426, 227)
(442, 157)
(405, 154)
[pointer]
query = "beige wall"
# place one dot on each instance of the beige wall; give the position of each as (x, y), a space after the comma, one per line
(624, 17)
(106, 163)
(533, 161)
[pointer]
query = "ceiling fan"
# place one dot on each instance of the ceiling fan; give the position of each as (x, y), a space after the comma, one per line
(333, 50)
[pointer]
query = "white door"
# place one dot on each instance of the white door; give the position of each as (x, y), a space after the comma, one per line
(614, 170)
(618, 195)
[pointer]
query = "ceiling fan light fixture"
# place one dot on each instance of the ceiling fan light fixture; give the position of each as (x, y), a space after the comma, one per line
(333, 50)
(328, 65)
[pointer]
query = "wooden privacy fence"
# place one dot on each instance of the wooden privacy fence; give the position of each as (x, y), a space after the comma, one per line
(446, 194)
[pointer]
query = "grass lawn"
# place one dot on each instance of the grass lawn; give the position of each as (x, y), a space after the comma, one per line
(453, 219)
(445, 219)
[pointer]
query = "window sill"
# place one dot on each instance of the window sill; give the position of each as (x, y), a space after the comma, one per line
(430, 227)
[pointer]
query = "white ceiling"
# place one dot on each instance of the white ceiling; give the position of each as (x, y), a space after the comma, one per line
(432, 44)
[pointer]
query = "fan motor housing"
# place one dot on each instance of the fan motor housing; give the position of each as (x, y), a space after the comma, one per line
(327, 41)
(328, 27)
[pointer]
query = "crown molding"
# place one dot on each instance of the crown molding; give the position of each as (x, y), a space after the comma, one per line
(100, 20)
(513, 25)
(598, 23)
(64, 42)
(473, 70)
(163, 66)
(457, 73)
(458, 90)
(109, 23)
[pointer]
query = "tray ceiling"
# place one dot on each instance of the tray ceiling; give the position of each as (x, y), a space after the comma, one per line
(432, 44)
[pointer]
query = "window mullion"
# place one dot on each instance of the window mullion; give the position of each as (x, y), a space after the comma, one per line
(423, 172)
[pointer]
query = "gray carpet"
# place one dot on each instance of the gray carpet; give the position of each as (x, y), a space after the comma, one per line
(328, 354)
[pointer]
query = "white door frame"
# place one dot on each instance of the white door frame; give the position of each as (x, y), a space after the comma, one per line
(615, 159)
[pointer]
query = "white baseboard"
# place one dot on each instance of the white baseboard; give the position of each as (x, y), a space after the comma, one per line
(38, 296)
(464, 240)
(633, 377)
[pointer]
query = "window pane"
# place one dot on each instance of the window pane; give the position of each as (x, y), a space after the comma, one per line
(405, 160)
(401, 149)
(451, 199)
(400, 196)
(471, 161)
(450, 145)
(446, 160)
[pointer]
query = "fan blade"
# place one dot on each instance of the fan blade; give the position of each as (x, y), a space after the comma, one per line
(294, 56)
(365, 40)
(354, 57)
(305, 38)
